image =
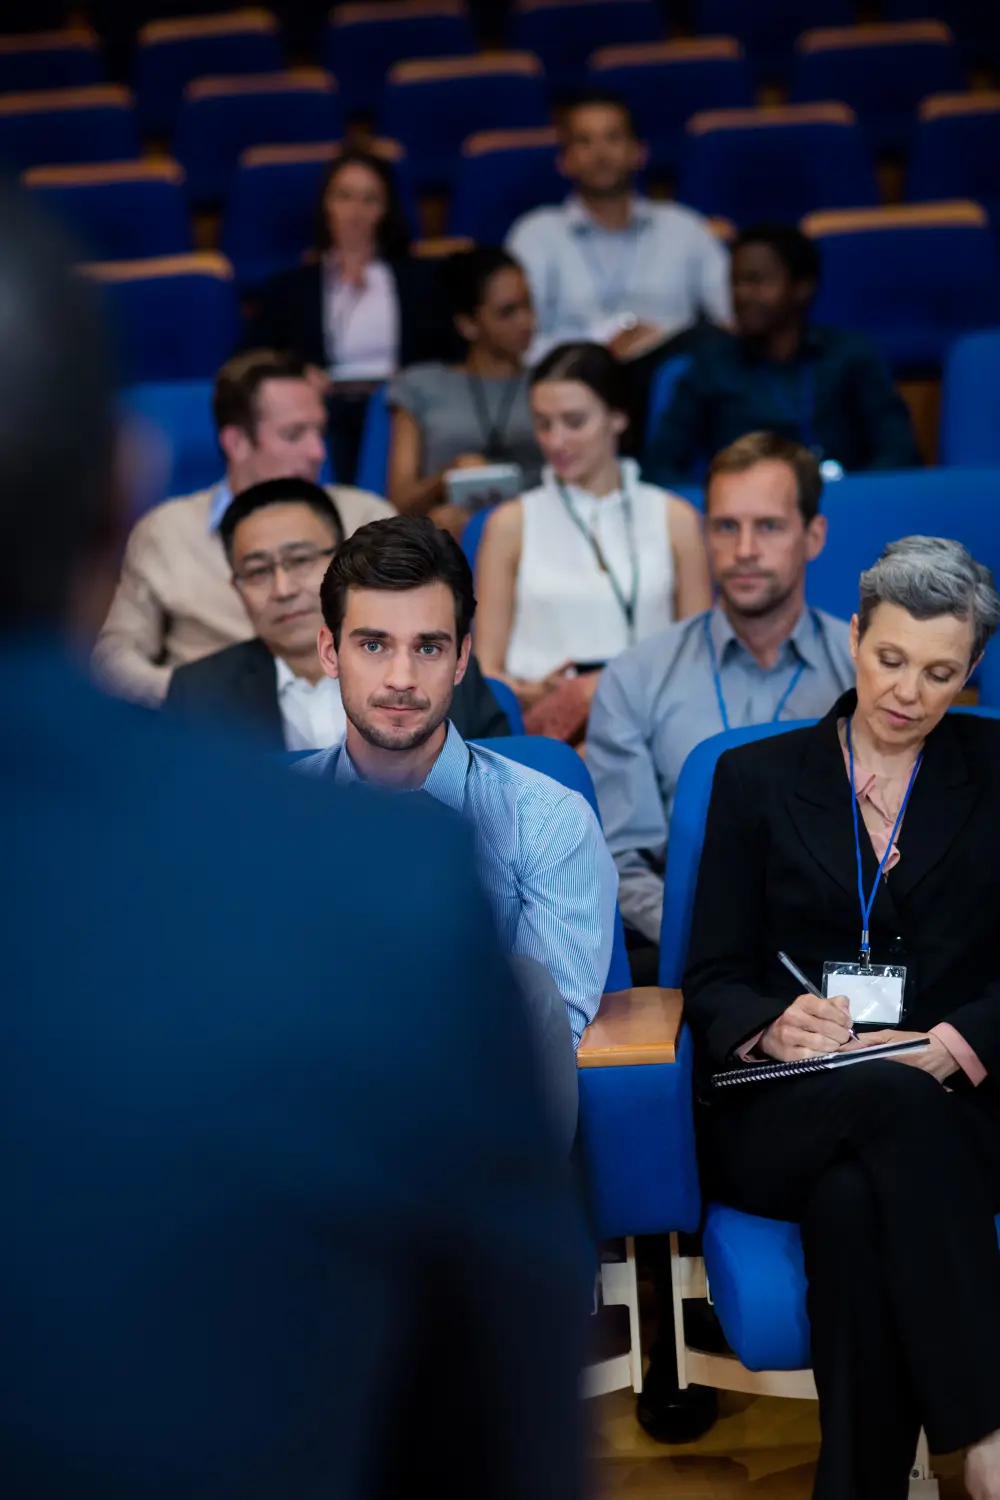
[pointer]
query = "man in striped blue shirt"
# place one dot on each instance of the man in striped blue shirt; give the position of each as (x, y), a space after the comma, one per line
(398, 603)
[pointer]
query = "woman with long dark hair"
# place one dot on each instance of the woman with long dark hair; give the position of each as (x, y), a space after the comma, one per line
(362, 307)
(592, 560)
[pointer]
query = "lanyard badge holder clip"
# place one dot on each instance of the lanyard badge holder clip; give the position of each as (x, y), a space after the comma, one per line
(875, 991)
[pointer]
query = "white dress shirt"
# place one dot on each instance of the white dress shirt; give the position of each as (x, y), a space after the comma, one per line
(361, 324)
(665, 268)
(311, 712)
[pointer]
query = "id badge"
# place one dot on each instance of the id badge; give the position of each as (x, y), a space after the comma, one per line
(875, 993)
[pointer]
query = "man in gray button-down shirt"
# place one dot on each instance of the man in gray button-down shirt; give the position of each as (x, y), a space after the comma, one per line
(761, 654)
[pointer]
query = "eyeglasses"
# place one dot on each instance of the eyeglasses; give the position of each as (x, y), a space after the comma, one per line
(295, 563)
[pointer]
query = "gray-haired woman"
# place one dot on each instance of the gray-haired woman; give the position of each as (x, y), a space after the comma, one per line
(893, 1168)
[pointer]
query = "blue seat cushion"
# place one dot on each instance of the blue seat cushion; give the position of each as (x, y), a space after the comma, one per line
(758, 1282)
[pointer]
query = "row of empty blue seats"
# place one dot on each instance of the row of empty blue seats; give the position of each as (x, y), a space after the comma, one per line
(883, 75)
(363, 41)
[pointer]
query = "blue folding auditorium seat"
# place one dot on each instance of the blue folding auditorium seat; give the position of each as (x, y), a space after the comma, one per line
(970, 400)
(768, 28)
(913, 278)
(171, 54)
(178, 414)
(271, 210)
(867, 511)
(222, 117)
(753, 164)
(882, 72)
(976, 23)
(119, 211)
(175, 318)
(956, 151)
(564, 33)
(432, 107)
(51, 60)
(364, 41)
(665, 83)
(59, 127)
(503, 174)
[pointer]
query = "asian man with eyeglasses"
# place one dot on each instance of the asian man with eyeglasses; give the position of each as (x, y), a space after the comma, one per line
(279, 537)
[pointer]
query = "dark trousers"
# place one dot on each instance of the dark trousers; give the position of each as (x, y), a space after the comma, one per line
(895, 1182)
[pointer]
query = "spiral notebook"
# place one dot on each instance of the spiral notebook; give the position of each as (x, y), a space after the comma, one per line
(767, 1072)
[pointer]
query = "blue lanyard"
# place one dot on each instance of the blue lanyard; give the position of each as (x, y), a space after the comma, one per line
(802, 410)
(789, 690)
(864, 956)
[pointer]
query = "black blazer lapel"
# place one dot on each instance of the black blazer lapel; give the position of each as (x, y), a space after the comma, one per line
(256, 685)
(942, 801)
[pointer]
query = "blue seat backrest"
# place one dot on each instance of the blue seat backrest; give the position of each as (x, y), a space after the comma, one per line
(507, 699)
(768, 28)
(781, 171)
(564, 35)
(912, 288)
(866, 511)
(562, 763)
(373, 457)
(661, 390)
(970, 392)
(493, 188)
(473, 534)
(180, 412)
(122, 220)
(359, 53)
(664, 95)
(687, 831)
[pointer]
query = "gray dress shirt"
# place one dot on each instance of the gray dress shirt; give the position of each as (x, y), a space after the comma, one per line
(665, 268)
(656, 701)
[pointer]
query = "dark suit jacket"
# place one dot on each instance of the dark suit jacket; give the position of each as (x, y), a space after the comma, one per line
(289, 315)
(779, 872)
(276, 1180)
(237, 688)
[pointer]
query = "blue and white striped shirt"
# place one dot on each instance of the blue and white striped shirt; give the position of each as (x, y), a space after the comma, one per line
(543, 862)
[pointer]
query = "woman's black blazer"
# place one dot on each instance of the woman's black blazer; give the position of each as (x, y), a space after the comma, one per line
(779, 872)
(289, 314)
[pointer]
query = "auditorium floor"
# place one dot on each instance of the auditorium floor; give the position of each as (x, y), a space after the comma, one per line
(760, 1447)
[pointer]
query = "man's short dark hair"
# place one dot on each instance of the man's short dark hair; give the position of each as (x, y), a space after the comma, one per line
(401, 552)
(279, 492)
(761, 447)
(797, 252)
(597, 99)
(58, 508)
(234, 400)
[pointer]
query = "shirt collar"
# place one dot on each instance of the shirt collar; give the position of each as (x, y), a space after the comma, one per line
(219, 504)
(803, 639)
(286, 678)
(579, 221)
(445, 781)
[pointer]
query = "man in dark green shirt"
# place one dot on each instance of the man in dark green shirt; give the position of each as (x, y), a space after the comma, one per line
(824, 387)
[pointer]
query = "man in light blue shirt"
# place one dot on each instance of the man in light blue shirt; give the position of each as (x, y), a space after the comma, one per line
(398, 603)
(609, 265)
(759, 656)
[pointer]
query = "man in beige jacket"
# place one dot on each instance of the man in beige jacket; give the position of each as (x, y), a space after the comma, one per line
(175, 601)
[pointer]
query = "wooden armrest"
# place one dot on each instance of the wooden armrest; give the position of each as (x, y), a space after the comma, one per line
(633, 1026)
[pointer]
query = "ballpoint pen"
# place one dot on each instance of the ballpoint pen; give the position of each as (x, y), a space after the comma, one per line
(807, 984)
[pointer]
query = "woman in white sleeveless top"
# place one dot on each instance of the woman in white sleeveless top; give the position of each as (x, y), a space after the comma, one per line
(593, 560)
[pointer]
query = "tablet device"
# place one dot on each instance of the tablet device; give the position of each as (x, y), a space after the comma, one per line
(475, 489)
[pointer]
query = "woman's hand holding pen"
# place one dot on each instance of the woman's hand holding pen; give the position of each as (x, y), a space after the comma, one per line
(811, 1025)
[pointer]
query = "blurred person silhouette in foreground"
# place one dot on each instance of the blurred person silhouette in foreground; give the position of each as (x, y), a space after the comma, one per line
(279, 1184)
